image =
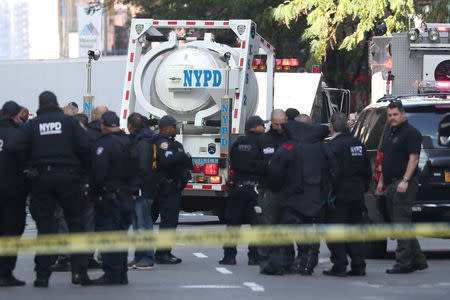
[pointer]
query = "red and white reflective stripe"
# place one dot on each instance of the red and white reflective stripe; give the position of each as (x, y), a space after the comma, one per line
(266, 44)
(212, 187)
(186, 23)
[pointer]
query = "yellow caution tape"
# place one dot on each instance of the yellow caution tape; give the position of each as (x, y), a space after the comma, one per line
(257, 235)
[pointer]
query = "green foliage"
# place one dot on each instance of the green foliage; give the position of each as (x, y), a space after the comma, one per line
(343, 24)
(440, 12)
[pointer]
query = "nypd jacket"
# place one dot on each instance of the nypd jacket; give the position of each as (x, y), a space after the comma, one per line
(172, 164)
(354, 168)
(52, 138)
(246, 158)
(9, 162)
(269, 143)
(109, 163)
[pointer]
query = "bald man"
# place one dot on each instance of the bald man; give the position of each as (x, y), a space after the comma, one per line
(269, 188)
(94, 128)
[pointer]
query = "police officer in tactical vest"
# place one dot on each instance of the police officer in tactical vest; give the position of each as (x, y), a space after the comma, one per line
(247, 163)
(173, 170)
(307, 167)
(347, 205)
(112, 172)
(56, 144)
(12, 205)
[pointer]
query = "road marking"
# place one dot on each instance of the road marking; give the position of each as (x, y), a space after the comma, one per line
(210, 286)
(224, 271)
(254, 287)
(200, 255)
(324, 260)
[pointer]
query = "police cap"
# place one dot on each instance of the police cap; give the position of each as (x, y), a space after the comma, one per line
(11, 108)
(253, 122)
(47, 98)
(167, 120)
(110, 119)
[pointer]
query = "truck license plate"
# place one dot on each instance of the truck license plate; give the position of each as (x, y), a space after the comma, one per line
(447, 176)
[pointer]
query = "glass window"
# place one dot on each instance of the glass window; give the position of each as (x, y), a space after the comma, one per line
(426, 120)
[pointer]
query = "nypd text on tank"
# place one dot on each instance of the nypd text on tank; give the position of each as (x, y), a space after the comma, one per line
(202, 78)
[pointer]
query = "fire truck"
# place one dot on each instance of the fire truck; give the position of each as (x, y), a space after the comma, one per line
(410, 63)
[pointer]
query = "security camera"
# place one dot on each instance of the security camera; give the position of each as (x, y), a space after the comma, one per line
(94, 54)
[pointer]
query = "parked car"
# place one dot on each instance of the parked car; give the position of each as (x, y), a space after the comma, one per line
(433, 198)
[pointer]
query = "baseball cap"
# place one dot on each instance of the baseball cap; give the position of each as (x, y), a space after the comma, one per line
(11, 108)
(292, 113)
(167, 121)
(253, 121)
(110, 119)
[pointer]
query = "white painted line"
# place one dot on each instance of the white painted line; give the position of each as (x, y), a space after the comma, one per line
(224, 271)
(324, 260)
(210, 286)
(254, 287)
(200, 255)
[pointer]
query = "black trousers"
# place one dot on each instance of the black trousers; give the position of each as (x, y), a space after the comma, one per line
(346, 213)
(114, 214)
(12, 223)
(240, 209)
(169, 202)
(48, 189)
(308, 253)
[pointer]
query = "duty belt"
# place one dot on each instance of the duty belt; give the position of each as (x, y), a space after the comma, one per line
(52, 168)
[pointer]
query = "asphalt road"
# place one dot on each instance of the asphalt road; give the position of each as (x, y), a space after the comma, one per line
(201, 277)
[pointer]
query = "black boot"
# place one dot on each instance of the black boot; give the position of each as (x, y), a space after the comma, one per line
(10, 281)
(82, 279)
(41, 282)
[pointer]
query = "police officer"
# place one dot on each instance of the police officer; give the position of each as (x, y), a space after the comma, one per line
(269, 188)
(112, 172)
(56, 144)
(173, 170)
(348, 207)
(307, 168)
(401, 151)
(247, 162)
(12, 206)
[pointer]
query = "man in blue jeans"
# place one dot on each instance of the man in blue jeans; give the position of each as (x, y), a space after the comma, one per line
(143, 189)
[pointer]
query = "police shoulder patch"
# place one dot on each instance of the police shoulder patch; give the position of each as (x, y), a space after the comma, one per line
(99, 150)
(164, 145)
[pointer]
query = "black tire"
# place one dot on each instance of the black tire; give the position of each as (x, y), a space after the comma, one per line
(375, 249)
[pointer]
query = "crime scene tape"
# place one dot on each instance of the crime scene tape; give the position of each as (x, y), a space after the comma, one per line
(257, 235)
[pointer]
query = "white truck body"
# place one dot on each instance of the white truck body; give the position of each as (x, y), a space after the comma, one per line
(401, 66)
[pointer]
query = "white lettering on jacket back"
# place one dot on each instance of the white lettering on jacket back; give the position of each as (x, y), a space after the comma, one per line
(1, 145)
(50, 128)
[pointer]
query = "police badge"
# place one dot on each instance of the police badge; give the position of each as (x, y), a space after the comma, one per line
(241, 29)
(139, 28)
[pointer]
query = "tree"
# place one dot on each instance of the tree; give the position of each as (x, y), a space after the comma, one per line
(343, 24)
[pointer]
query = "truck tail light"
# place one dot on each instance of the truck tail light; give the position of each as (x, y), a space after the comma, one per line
(201, 179)
(211, 169)
(215, 180)
(197, 169)
(443, 85)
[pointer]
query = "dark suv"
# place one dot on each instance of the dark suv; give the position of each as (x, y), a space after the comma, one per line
(433, 199)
